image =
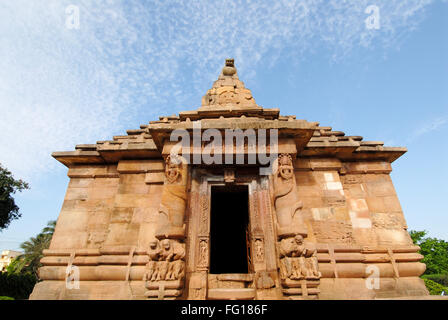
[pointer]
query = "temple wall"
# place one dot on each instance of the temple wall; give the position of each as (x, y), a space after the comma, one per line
(84, 218)
(350, 203)
(324, 207)
(110, 206)
(350, 210)
(374, 208)
(106, 222)
(354, 217)
(355, 288)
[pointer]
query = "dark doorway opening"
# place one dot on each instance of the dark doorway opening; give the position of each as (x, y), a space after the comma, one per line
(228, 229)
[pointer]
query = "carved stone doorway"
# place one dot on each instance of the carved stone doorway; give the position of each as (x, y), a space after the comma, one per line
(249, 220)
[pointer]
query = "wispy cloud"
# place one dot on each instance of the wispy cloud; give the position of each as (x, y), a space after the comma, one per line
(59, 86)
(429, 126)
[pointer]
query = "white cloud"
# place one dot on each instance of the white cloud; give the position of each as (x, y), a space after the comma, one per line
(432, 125)
(59, 87)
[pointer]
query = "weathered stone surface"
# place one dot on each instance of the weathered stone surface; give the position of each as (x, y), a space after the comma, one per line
(136, 223)
(140, 166)
(154, 177)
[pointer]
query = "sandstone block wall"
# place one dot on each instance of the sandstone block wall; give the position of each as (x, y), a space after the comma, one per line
(110, 206)
(354, 209)
(350, 210)
(105, 225)
(350, 203)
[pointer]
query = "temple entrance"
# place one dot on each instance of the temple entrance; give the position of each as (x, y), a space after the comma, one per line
(229, 243)
(229, 229)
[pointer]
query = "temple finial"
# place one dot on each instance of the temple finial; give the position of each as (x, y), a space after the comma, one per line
(229, 69)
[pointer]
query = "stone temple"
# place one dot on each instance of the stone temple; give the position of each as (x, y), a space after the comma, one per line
(283, 209)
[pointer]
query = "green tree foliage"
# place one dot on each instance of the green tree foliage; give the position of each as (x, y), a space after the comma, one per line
(17, 286)
(435, 288)
(8, 186)
(29, 261)
(417, 236)
(439, 278)
(435, 252)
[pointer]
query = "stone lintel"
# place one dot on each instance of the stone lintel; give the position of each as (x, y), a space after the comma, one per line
(284, 146)
(299, 130)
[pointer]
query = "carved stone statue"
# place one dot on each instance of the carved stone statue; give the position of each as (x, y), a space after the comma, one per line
(285, 196)
(172, 169)
(166, 261)
(173, 202)
(203, 252)
(177, 265)
(296, 260)
(154, 256)
(286, 249)
(165, 257)
(170, 230)
(259, 250)
(313, 265)
(167, 250)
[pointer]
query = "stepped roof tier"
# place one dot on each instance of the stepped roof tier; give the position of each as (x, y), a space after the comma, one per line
(230, 105)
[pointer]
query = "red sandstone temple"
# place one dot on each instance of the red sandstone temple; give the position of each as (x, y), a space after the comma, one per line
(307, 213)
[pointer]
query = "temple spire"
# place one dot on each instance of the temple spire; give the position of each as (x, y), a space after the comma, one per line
(229, 91)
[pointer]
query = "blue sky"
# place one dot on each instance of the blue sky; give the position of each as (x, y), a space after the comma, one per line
(131, 61)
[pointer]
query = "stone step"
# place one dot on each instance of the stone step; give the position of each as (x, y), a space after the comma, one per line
(298, 291)
(243, 277)
(231, 294)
